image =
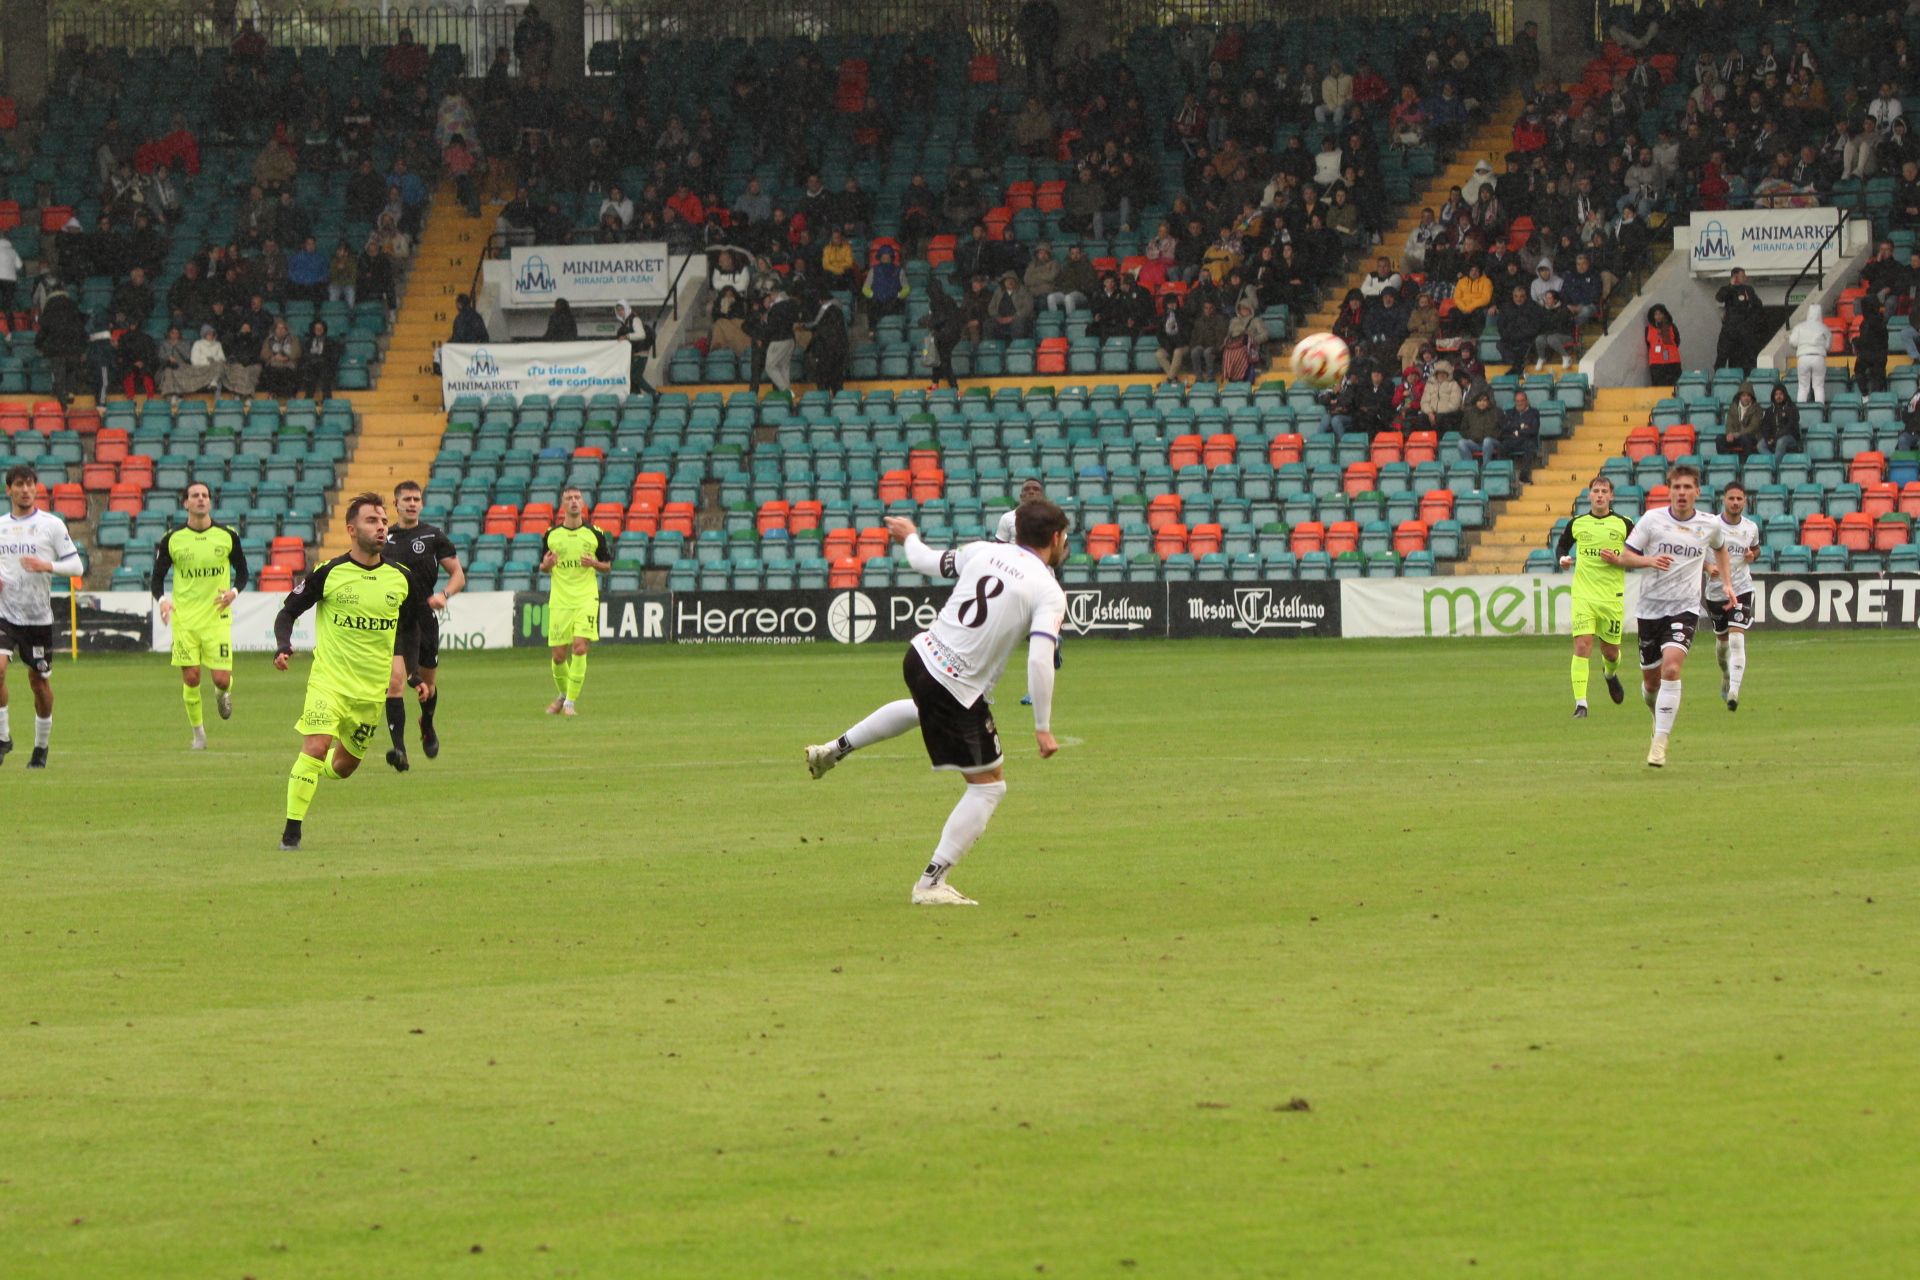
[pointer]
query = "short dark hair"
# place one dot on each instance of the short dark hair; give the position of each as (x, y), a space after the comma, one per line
(1601, 479)
(1680, 469)
(1035, 523)
(1730, 486)
(21, 471)
(407, 486)
(573, 488)
(195, 484)
(360, 500)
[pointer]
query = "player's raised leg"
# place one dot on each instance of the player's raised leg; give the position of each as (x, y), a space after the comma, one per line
(888, 721)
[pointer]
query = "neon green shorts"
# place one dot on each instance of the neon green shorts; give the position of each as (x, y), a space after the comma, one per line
(567, 623)
(208, 646)
(1605, 622)
(353, 723)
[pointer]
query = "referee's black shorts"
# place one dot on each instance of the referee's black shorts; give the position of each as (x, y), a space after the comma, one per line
(959, 739)
(419, 646)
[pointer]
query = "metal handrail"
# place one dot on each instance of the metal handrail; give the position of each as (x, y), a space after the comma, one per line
(1818, 261)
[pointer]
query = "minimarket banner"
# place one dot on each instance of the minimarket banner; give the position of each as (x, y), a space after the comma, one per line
(522, 369)
(539, 274)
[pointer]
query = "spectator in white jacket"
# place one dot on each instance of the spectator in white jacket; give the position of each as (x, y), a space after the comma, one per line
(1810, 339)
(1885, 109)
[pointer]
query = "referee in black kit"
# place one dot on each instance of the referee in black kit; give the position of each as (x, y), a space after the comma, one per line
(423, 551)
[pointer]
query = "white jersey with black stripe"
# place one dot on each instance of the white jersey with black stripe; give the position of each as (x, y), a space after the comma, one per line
(26, 597)
(1004, 594)
(1666, 593)
(1740, 536)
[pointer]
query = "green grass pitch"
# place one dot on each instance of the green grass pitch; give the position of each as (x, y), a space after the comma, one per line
(630, 995)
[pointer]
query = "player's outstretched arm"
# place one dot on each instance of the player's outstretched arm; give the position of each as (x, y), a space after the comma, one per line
(1040, 675)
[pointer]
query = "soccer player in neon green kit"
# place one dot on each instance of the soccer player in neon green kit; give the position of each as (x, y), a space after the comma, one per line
(577, 554)
(209, 569)
(1599, 590)
(362, 602)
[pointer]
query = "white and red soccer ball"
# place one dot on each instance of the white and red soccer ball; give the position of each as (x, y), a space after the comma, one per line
(1320, 360)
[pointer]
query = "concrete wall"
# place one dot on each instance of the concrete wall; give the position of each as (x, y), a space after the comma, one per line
(1620, 358)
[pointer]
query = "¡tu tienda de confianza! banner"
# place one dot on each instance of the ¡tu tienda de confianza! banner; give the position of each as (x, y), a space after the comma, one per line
(521, 369)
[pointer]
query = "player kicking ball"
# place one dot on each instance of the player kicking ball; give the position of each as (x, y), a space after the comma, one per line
(361, 602)
(34, 545)
(423, 551)
(1599, 591)
(576, 555)
(209, 569)
(1673, 543)
(1005, 593)
(1731, 619)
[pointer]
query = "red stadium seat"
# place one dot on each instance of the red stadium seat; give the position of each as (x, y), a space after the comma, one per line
(1409, 536)
(1185, 451)
(1678, 440)
(844, 575)
(99, 477)
(643, 517)
(896, 486)
(1818, 531)
(1204, 540)
(501, 519)
(275, 580)
(804, 516)
(1642, 442)
(136, 469)
(1867, 468)
(1307, 536)
(1103, 540)
(288, 553)
(127, 498)
(70, 502)
(1164, 510)
(771, 516)
(1887, 534)
(1342, 536)
(1422, 446)
(940, 250)
(1169, 540)
(1360, 477)
(1388, 446)
(1285, 449)
(928, 485)
(1856, 531)
(1436, 504)
(1020, 195)
(839, 544)
(923, 461)
(677, 517)
(1910, 499)
(1222, 449)
(1878, 499)
(1051, 196)
(609, 516)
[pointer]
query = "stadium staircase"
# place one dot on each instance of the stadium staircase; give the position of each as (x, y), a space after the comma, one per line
(401, 421)
(1523, 523)
(1489, 142)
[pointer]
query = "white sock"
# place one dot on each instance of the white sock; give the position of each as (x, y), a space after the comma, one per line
(964, 825)
(1667, 708)
(1648, 696)
(6, 725)
(889, 721)
(1736, 662)
(42, 730)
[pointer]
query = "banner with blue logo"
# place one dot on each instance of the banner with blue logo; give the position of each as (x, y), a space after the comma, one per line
(1765, 242)
(521, 369)
(588, 273)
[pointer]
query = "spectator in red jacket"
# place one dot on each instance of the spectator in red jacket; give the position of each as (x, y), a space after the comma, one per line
(406, 62)
(1530, 132)
(178, 144)
(687, 206)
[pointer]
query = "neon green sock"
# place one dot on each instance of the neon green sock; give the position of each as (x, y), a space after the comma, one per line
(190, 694)
(301, 784)
(576, 676)
(560, 674)
(1580, 675)
(327, 770)
(1610, 665)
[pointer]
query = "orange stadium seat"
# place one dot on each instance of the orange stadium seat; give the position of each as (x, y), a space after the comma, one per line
(1164, 509)
(1388, 446)
(1169, 540)
(1856, 531)
(1818, 531)
(1285, 449)
(1878, 499)
(1422, 446)
(1309, 535)
(1185, 451)
(1642, 442)
(1342, 536)
(1360, 477)
(1204, 540)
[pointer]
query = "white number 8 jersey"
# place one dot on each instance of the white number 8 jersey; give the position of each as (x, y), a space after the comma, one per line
(1004, 595)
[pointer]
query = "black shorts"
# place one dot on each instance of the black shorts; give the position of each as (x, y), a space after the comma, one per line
(29, 643)
(419, 646)
(1657, 634)
(959, 739)
(1739, 615)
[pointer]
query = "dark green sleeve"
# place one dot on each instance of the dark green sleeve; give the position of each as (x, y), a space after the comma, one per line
(602, 547)
(302, 598)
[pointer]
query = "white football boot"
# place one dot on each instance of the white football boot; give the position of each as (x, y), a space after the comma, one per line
(1657, 753)
(822, 758)
(941, 895)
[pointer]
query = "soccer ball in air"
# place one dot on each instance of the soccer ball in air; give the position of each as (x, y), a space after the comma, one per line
(1320, 360)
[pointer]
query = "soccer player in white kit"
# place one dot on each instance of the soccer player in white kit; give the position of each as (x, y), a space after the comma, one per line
(1004, 594)
(1674, 543)
(1731, 619)
(34, 545)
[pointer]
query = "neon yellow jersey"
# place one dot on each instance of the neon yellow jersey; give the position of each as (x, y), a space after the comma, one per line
(1587, 535)
(575, 586)
(205, 563)
(360, 611)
